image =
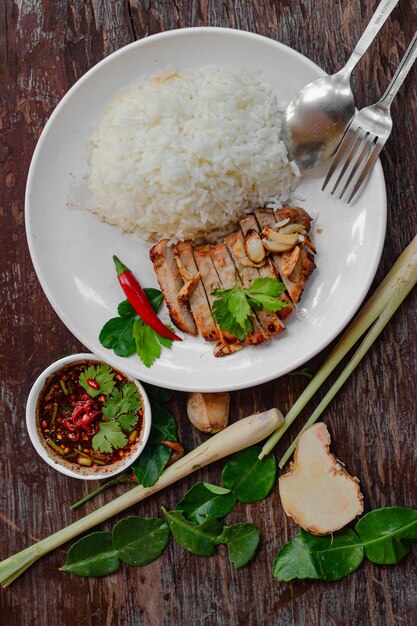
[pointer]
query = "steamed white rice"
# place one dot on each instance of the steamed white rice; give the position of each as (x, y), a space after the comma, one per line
(177, 155)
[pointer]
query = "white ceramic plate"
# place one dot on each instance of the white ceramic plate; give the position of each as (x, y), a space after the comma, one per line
(72, 250)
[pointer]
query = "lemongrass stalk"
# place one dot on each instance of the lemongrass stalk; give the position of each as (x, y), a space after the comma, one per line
(242, 434)
(400, 279)
(370, 337)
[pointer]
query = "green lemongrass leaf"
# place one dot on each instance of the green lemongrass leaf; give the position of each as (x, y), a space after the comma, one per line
(151, 463)
(117, 335)
(204, 500)
(250, 478)
(242, 541)
(109, 436)
(103, 374)
(387, 534)
(93, 555)
(139, 541)
(325, 558)
(195, 539)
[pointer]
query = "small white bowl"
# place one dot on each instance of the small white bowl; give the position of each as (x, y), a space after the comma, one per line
(53, 459)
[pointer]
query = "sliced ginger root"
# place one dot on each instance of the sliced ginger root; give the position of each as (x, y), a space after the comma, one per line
(317, 492)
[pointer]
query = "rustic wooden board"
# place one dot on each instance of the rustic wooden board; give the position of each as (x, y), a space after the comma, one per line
(45, 47)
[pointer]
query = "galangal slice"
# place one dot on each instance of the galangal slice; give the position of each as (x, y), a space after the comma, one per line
(317, 492)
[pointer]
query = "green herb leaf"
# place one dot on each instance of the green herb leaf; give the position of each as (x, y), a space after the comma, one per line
(134, 540)
(233, 307)
(148, 343)
(226, 320)
(384, 536)
(140, 541)
(109, 436)
(265, 286)
(93, 555)
(196, 539)
(164, 426)
(204, 500)
(387, 534)
(117, 335)
(122, 405)
(128, 333)
(103, 375)
(305, 371)
(327, 558)
(242, 541)
(250, 478)
(151, 463)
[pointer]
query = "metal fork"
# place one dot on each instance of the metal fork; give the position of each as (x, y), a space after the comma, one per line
(367, 133)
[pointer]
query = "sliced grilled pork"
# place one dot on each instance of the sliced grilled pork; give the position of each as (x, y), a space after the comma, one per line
(210, 281)
(269, 269)
(170, 281)
(200, 308)
(227, 274)
(270, 322)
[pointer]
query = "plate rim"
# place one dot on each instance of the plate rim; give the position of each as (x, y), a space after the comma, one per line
(107, 354)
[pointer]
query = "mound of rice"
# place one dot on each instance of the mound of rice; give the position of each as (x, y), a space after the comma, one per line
(177, 155)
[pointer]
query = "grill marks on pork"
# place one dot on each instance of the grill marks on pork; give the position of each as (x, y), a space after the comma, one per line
(226, 271)
(199, 304)
(188, 276)
(170, 281)
(269, 321)
(295, 281)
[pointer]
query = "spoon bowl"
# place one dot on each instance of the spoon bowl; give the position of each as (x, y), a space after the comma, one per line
(315, 120)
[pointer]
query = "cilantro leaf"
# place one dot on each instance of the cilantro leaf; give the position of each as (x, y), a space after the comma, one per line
(266, 285)
(226, 320)
(148, 342)
(233, 307)
(102, 374)
(122, 405)
(109, 436)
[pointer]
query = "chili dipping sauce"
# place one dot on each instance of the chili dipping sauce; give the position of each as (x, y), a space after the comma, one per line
(74, 420)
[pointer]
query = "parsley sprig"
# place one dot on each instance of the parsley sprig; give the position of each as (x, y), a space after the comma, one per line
(233, 307)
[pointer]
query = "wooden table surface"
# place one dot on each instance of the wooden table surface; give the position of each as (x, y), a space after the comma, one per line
(45, 47)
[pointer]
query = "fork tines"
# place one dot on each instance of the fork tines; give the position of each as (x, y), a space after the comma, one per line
(356, 156)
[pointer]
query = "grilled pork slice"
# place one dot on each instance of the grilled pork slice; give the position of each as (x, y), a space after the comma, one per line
(269, 269)
(210, 281)
(200, 308)
(227, 274)
(296, 266)
(295, 282)
(270, 322)
(170, 281)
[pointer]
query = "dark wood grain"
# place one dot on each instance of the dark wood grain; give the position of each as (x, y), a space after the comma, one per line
(44, 48)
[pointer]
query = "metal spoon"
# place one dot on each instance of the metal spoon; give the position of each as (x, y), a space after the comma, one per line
(315, 120)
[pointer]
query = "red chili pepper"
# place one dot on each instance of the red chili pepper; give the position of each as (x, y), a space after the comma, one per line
(138, 299)
(177, 448)
(93, 384)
